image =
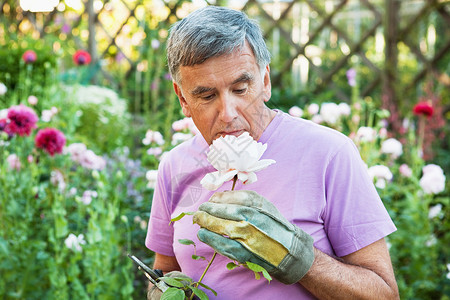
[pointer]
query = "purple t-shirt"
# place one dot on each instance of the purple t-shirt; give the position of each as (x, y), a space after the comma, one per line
(318, 182)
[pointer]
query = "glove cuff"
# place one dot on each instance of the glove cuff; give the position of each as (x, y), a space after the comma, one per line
(299, 259)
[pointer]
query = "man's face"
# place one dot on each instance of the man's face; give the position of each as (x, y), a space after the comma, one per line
(225, 95)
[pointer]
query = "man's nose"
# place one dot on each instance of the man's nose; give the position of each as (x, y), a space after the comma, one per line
(228, 108)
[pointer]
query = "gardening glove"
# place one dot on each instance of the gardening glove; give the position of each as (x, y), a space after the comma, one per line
(244, 226)
(155, 294)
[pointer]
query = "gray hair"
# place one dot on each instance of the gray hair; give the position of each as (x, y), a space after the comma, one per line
(211, 32)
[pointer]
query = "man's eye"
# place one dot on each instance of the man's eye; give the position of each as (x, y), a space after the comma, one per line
(240, 91)
(208, 97)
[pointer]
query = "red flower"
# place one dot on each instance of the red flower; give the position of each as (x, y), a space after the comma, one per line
(29, 56)
(51, 140)
(22, 120)
(423, 108)
(82, 57)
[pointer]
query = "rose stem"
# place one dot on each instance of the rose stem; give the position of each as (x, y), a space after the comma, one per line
(215, 253)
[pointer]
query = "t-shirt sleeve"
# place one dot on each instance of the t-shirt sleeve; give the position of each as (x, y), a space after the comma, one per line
(355, 216)
(159, 237)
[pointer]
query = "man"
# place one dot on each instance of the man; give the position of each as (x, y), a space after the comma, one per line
(318, 192)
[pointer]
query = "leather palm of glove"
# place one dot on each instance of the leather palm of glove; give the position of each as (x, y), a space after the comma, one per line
(155, 293)
(244, 226)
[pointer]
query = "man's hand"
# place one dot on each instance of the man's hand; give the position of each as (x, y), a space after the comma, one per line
(244, 226)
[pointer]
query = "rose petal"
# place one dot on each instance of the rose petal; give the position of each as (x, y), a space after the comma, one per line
(260, 165)
(212, 181)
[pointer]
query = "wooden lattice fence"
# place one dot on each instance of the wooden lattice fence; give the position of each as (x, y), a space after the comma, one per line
(313, 42)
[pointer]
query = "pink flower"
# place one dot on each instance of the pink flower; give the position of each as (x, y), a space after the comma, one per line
(29, 56)
(405, 170)
(51, 140)
(22, 120)
(14, 162)
(32, 100)
(82, 57)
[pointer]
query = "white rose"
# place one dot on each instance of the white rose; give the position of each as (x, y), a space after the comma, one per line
(232, 156)
(433, 179)
(393, 147)
(381, 174)
(330, 112)
(296, 111)
(365, 134)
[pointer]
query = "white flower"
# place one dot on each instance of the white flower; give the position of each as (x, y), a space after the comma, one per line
(151, 177)
(365, 134)
(57, 179)
(92, 161)
(46, 115)
(154, 151)
(317, 119)
(344, 109)
(433, 179)
(155, 44)
(153, 137)
(76, 151)
(3, 113)
(313, 109)
(330, 112)
(393, 147)
(232, 156)
(381, 174)
(296, 111)
(179, 137)
(74, 242)
(434, 211)
(87, 196)
(3, 89)
(448, 268)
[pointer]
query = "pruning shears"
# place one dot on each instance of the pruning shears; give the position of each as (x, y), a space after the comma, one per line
(152, 275)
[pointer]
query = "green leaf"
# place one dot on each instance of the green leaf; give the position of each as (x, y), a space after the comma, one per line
(232, 266)
(171, 281)
(267, 275)
(199, 293)
(207, 287)
(181, 279)
(256, 269)
(196, 257)
(180, 216)
(186, 242)
(173, 294)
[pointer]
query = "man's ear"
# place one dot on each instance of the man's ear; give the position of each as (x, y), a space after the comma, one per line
(183, 103)
(267, 84)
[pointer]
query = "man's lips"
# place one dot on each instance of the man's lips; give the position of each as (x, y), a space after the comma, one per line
(235, 133)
